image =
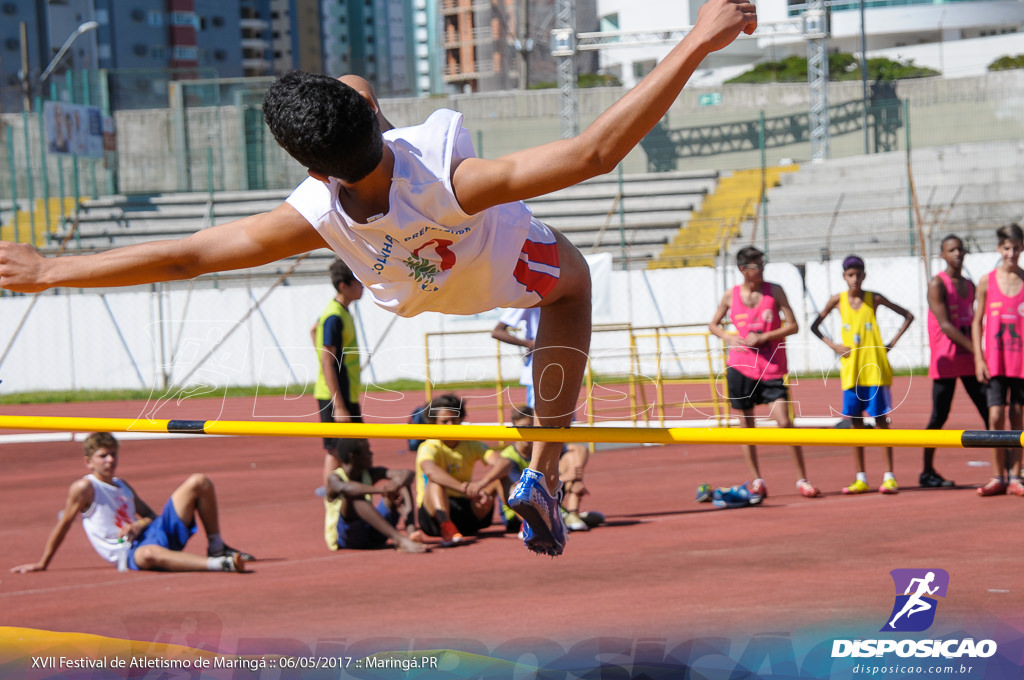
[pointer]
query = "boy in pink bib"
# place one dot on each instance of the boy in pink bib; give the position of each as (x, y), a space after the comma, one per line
(756, 367)
(997, 333)
(950, 315)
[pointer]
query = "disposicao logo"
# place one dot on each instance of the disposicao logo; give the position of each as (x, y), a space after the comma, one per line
(914, 611)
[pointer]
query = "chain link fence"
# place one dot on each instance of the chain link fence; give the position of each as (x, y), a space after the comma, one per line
(936, 155)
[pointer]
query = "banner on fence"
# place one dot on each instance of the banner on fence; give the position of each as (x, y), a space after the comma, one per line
(77, 130)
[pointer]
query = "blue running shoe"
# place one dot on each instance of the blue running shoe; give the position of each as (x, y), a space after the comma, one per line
(731, 497)
(510, 519)
(543, 530)
(704, 493)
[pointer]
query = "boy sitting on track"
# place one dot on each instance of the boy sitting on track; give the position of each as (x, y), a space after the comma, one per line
(449, 503)
(424, 224)
(116, 519)
(351, 520)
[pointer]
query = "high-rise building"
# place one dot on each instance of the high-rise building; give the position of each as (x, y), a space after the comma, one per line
(142, 44)
(375, 39)
(426, 48)
(256, 37)
(505, 44)
(295, 36)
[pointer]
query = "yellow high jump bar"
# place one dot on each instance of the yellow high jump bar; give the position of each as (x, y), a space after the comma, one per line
(613, 435)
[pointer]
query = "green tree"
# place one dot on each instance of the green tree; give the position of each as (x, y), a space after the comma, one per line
(1006, 63)
(841, 66)
(886, 69)
(597, 80)
(583, 80)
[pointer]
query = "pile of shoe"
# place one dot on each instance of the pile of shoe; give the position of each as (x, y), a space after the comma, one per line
(733, 496)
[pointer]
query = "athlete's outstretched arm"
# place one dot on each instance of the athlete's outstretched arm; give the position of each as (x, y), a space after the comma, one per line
(247, 242)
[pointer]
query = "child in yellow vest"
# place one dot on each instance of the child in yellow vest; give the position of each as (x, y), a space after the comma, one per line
(865, 371)
(350, 518)
(337, 350)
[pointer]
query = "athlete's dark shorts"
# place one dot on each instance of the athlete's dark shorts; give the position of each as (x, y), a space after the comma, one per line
(999, 385)
(746, 393)
(327, 416)
(167, 531)
(461, 513)
(358, 534)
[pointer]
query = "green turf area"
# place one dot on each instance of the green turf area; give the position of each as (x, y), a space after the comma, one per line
(68, 396)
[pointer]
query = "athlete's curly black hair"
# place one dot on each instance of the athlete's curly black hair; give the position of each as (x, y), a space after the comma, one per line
(324, 124)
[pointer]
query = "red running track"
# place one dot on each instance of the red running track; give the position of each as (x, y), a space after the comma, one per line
(662, 566)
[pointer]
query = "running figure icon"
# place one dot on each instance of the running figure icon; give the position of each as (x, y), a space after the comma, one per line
(915, 603)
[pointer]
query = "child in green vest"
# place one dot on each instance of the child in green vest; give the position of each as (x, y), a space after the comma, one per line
(337, 352)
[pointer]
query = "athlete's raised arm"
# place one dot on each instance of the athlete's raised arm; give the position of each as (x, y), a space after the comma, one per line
(480, 184)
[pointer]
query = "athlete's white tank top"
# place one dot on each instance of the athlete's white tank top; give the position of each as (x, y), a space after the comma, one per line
(112, 507)
(425, 253)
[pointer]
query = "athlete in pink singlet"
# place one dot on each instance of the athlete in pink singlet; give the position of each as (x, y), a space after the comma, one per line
(950, 314)
(756, 367)
(998, 337)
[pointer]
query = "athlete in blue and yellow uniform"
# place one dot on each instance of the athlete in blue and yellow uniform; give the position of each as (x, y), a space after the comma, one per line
(864, 370)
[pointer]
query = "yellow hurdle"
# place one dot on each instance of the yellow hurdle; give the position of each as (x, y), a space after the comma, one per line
(613, 435)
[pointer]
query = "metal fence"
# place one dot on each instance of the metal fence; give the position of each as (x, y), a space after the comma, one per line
(209, 137)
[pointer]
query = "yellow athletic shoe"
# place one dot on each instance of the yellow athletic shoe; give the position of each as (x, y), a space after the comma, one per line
(858, 486)
(889, 486)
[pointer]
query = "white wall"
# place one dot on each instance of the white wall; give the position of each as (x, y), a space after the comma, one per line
(210, 339)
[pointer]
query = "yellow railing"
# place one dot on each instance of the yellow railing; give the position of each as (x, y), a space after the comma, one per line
(716, 399)
(639, 390)
(718, 221)
(433, 383)
(36, 226)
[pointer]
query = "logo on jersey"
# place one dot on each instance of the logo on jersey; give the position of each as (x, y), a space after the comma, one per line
(423, 270)
(1006, 337)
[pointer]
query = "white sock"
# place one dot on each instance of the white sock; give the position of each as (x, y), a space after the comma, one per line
(862, 477)
(215, 563)
(887, 476)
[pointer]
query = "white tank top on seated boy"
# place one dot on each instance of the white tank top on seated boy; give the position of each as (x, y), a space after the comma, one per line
(113, 506)
(425, 253)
